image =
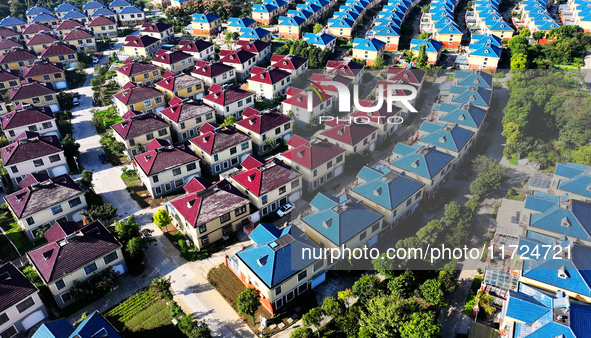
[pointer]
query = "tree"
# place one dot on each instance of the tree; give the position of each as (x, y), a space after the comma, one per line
(248, 303)
(70, 146)
(420, 325)
(161, 218)
(187, 326)
(313, 317)
(424, 36)
(582, 155)
(302, 332)
(485, 302)
(367, 287)
(379, 63)
(17, 8)
(103, 212)
(519, 61)
(317, 28)
(136, 247)
(402, 286)
(383, 317)
(432, 293)
(422, 57)
(129, 229)
(448, 282)
(162, 285)
(511, 132)
(229, 121)
(86, 179)
(431, 231)
(334, 307)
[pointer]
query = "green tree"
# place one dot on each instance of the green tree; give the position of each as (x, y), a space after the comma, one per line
(313, 317)
(86, 178)
(103, 212)
(431, 231)
(448, 282)
(431, 292)
(161, 218)
(334, 307)
(302, 332)
(424, 36)
(383, 317)
(422, 57)
(248, 303)
(420, 325)
(367, 287)
(229, 121)
(403, 285)
(519, 61)
(70, 146)
(511, 132)
(317, 28)
(17, 8)
(379, 63)
(582, 155)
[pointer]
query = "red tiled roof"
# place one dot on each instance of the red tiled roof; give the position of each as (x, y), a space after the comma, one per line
(237, 57)
(266, 178)
(42, 68)
(207, 127)
(8, 44)
(41, 38)
(69, 24)
(28, 89)
(58, 49)
(7, 76)
(137, 94)
(59, 231)
(14, 285)
(254, 46)
(194, 46)
(271, 76)
(155, 27)
(301, 100)
(170, 58)
(211, 70)
(187, 110)
(100, 21)
(29, 146)
(291, 62)
(313, 154)
(35, 28)
(140, 41)
(380, 117)
(8, 33)
(196, 184)
(228, 96)
(16, 55)
(139, 125)
(136, 67)
(162, 156)
(249, 111)
(178, 82)
(321, 78)
(78, 33)
(252, 161)
(263, 122)
(349, 133)
(411, 76)
(24, 117)
(347, 68)
(220, 139)
(33, 178)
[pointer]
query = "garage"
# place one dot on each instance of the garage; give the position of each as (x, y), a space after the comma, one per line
(318, 279)
(121, 268)
(60, 85)
(33, 319)
(372, 241)
(54, 108)
(295, 196)
(338, 171)
(62, 169)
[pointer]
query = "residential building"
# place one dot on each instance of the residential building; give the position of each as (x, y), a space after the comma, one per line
(264, 14)
(261, 50)
(268, 129)
(572, 179)
(296, 65)
(207, 24)
(448, 138)
(368, 50)
(41, 203)
(199, 49)
(76, 15)
(317, 160)
(165, 168)
(60, 264)
(139, 98)
(14, 23)
(64, 54)
(433, 49)
(36, 10)
(241, 60)
(66, 26)
(348, 68)
(209, 213)
(33, 29)
(236, 24)
(7, 33)
(185, 118)
(466, 115)
(413, 77)
(92, 6)
(228, 101)
(321, 40)
(131, 16)
(64, 8)
(389, 34)
(269, 83)
(138, 72)
(8, 80)
(472, 95)
(296, 105)
(137, 131)
(47, 19)
(32, 92)
(386, 123)
(104, 12)
(17, 59)
(142, 45)
(8, 44)
(221, 149)
(40, 41)
(342, 27)
(484, 56)
(214, 73)
(118, 5)
(174, 61)
(82, 39)
(88, 327)
(159, 30)
(355, 138)
(290, 27)
(269, 265)
(28, 118)
(102, 26)
(251, 34)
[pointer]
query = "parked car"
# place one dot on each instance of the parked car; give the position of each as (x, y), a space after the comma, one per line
(103, 158)
(76, 95)
(95, 60)
(75, 101)
(285, 210)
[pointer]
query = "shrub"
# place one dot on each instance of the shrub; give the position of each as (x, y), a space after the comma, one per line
(161, 218)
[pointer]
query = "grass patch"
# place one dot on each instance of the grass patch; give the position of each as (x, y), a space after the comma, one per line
(513, 160)
(14, 235)
(140, 193)
(104, 119)
(261, 105)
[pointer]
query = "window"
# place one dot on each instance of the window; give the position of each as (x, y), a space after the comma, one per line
(25, 304)
(76, 201)
(362, 235)
(302, 275)
(277, 131)
(176, 171)
(197, 120)
(248, 100)
(202, 228)
(375, 227)
(239, 211)
(302, 288)
(57, 75)
(224, 218)
(90, 268)
(167, 186)
(3, 318)
(150, 136)
(60, 284)
(46, 125)
(155, 178)
(48, 98)
(36, 100)
(162, 132)
(339, 158)
(244, 146)
(38, 163)
(61, 58)
(147, 103)
(315, 172)
(282, 190)
(278, 291)
(30, 220)
(54, 158)
(178, 183)
(240, 103)
(208, 116)
(11, 331)
(191, 166)
(157, 190)
(110, 257)
(33, 128)
(234, 161)
(419, 194)
(14, 169)
(233, 150)
(46, 77)
(66, 297)
(264, 199)
(408, 202)
(289, 296)
(216, 157)
(286, 126)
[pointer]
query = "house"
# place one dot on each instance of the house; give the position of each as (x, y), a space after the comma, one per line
(82, 39)
(159, 30)
(466, 115)
(572, 179)
(14, 23)
(337, 222)
(449, 34)
(221, 149)
(60, 264)
(199, 49)
(317, 160)
(17, 59)
(228, 101)
(118, 5)
(7, 33)
(484, 56)
(342, 27)
(321, 40)
(264, 14)
(269, 83)
(28, 118)
(368, 50)
(131, 16)
(33, 29)
(433, 49)
(299, 102)
(348, 68)
(8, 80)
(250, 34)
(35, 93)
(64, 8)
(102, 26)
(413, 77)
(449, 138)
(236, 24)
(139, 98)
(296, 65)
(66, 26)
(386, 123)
(270, 266)
(88, 327)
(40, 41)
(165, 168)
(47, 19)
(138, 72)
(207, 24)
(137, 131)
(214, 73)
(182, 86)
(76, 15)
(21, 306)
(290, 27)
(261, 49)
(268, 186)
(64, 54)
(209, 213)
(104, 12)
(174, 61)
(142, 45)
(355, 138)
(36, 10)
(388, 33)
(242, 61)
(92, 6)
(41, 203)
(394, 195)
(44, 71)
(425, 164)
(473, 95)
(186, 117)
(268, 129)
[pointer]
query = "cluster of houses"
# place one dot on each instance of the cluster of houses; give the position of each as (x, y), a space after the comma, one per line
(544, 292)
(534, 15)
(290, 26)
(576, 13)
(386, 26)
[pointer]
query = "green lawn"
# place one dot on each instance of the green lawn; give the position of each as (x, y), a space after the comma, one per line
(513, 160)
(13, 232)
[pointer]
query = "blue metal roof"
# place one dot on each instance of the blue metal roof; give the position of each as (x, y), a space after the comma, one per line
(43, 17)
(253, 33)
(276, 3)
(93, 326)
(578, 216)
(321, 39)
(547, 25)
(402, 149)
(474, 78)
(368, 44)
(432, 45)
(539, 202)
(265, 232)
(37, 9)
(258, 8)
(500, 26)
(525, 307)
(323, 201)
(477, 96)
(119, 3)
(240, 22)
(93, 4)
(580, 185)
(12, 21)
(345, 15)
(570, 170)
(340, 23)
(426, 162)
(66, 7)
(294, 21)
(449, 136)
(74, 14)
(205, 18)
(388, 189)
(485, 50)
(55, 329)
(130, 10)
(470, 116)
(103, 11)
(387, 31)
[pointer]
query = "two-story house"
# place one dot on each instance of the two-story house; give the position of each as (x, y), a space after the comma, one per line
(304, 105)
(290, 27)
(21, 306)
(91, 324)
(269, 83)
(36, 10)
(41, 40)
(264, 14)
(66, 26)
(449, 138)
(33, 92)
(174, 61)
(118, 5)
(221, 149)
(137, 131)
(46, 72)
(76, 15)
(28, 118)
(348, 68)
(206, 25)
(41, 203)
(60, 264)
(236, 24)
(182, 86)
(296, 65)
(138, 72)
(209, 213)
(199, 49)
(159, 30)
(251, 34)
(17, 59)
(368, 49)
(139, 98)
(268, 186)
(268, 129)
(318, 160)
(14, 23)
(8, 80)
(268, 265)
(355, 138)
(241, 60)
(105, 12)
(8, 44)
(165, 168)
(468, 116)
(385, 122)
(261, 50)
(185, 118)
(82, 39)
(102, 26)
(64, 54)
(47, 19)
(64, 8)
(131, 16)
(321, 40)
(214, 73)
(229, 101)
(142, 45)
(92, 6)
